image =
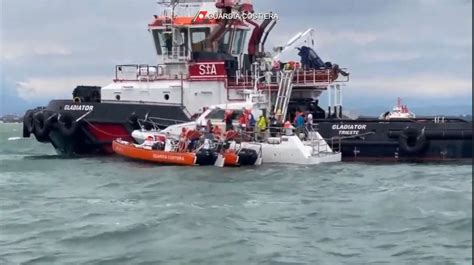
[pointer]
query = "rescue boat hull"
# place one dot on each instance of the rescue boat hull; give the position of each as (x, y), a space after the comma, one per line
(131, 151)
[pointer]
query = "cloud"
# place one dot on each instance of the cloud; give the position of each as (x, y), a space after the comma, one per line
(410, 48)
(422, 85)
(15, 50)
(55, 87)
(390, 56)
(361, 38)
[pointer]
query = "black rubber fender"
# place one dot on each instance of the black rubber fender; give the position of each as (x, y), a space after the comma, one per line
(247, 157)
(206, 157)
(67, 125)
(28, 123)
(52, 120)
(412, 141)
(41, 128)
(133, 121)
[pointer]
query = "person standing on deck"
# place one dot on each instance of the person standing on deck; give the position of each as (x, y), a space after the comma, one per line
(262, 126)
(228, 120)
(299, 123)
(243, 121)
(309, 121)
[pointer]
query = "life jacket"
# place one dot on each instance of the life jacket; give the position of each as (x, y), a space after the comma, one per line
(193, 135)
(262, 123)
(243, 119)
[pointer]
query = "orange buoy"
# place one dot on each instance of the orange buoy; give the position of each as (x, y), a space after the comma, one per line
(231, 159)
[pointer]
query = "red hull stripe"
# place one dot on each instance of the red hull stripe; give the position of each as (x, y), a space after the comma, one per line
(107, 132)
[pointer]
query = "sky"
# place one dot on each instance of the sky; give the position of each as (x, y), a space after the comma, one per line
(420, 50)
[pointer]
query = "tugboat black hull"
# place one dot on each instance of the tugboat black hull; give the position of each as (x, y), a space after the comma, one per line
(90, 127)
(415, 140)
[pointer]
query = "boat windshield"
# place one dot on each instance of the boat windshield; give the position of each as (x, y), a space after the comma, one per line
(218, 114)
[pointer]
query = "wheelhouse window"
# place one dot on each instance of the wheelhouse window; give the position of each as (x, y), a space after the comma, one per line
(181, 41)
(239, 40)
(163, 42)
(198, 37)
(224, 43)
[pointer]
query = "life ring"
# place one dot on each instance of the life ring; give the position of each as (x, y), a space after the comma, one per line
(28, 123)
(412, 141)
(67, 126)
(77, 100)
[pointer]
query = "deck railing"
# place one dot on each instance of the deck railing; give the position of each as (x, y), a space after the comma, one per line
(301, 78)
(143, 72)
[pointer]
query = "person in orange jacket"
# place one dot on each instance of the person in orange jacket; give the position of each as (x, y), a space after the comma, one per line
(217, 132)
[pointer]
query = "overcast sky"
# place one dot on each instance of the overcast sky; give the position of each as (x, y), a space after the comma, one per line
(420, 50)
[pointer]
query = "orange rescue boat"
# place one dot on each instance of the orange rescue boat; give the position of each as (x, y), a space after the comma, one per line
(147, 154)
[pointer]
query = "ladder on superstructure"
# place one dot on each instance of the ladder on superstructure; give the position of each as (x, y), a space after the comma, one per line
(284, 93)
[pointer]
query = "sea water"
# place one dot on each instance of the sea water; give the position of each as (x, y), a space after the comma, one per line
(109, 210)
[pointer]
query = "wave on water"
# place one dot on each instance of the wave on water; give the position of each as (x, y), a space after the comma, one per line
(107, 210)
(16, 138)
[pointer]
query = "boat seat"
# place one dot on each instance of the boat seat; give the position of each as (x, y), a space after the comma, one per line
(274, 140)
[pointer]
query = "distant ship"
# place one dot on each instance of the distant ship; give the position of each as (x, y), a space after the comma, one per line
(207, 61)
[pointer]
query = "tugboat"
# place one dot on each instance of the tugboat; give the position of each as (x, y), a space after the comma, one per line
(210, 56)
(204, 60)
(398, 136)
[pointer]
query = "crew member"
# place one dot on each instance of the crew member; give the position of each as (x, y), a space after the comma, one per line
(209, 126)
(299, 123)
(149, 141)
(243, 121)
(250, 121)
(309, 120)
(288, 128)
(262, 126)
(217, 132)
(228, 120)
(182, 140)
(272, 125)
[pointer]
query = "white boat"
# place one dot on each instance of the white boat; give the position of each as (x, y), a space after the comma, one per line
(284, 148)
(399, 111)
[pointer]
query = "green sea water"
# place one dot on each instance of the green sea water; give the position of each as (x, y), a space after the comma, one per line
(108, 210)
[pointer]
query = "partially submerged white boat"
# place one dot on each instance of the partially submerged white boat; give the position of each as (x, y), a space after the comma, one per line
(308, 148)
